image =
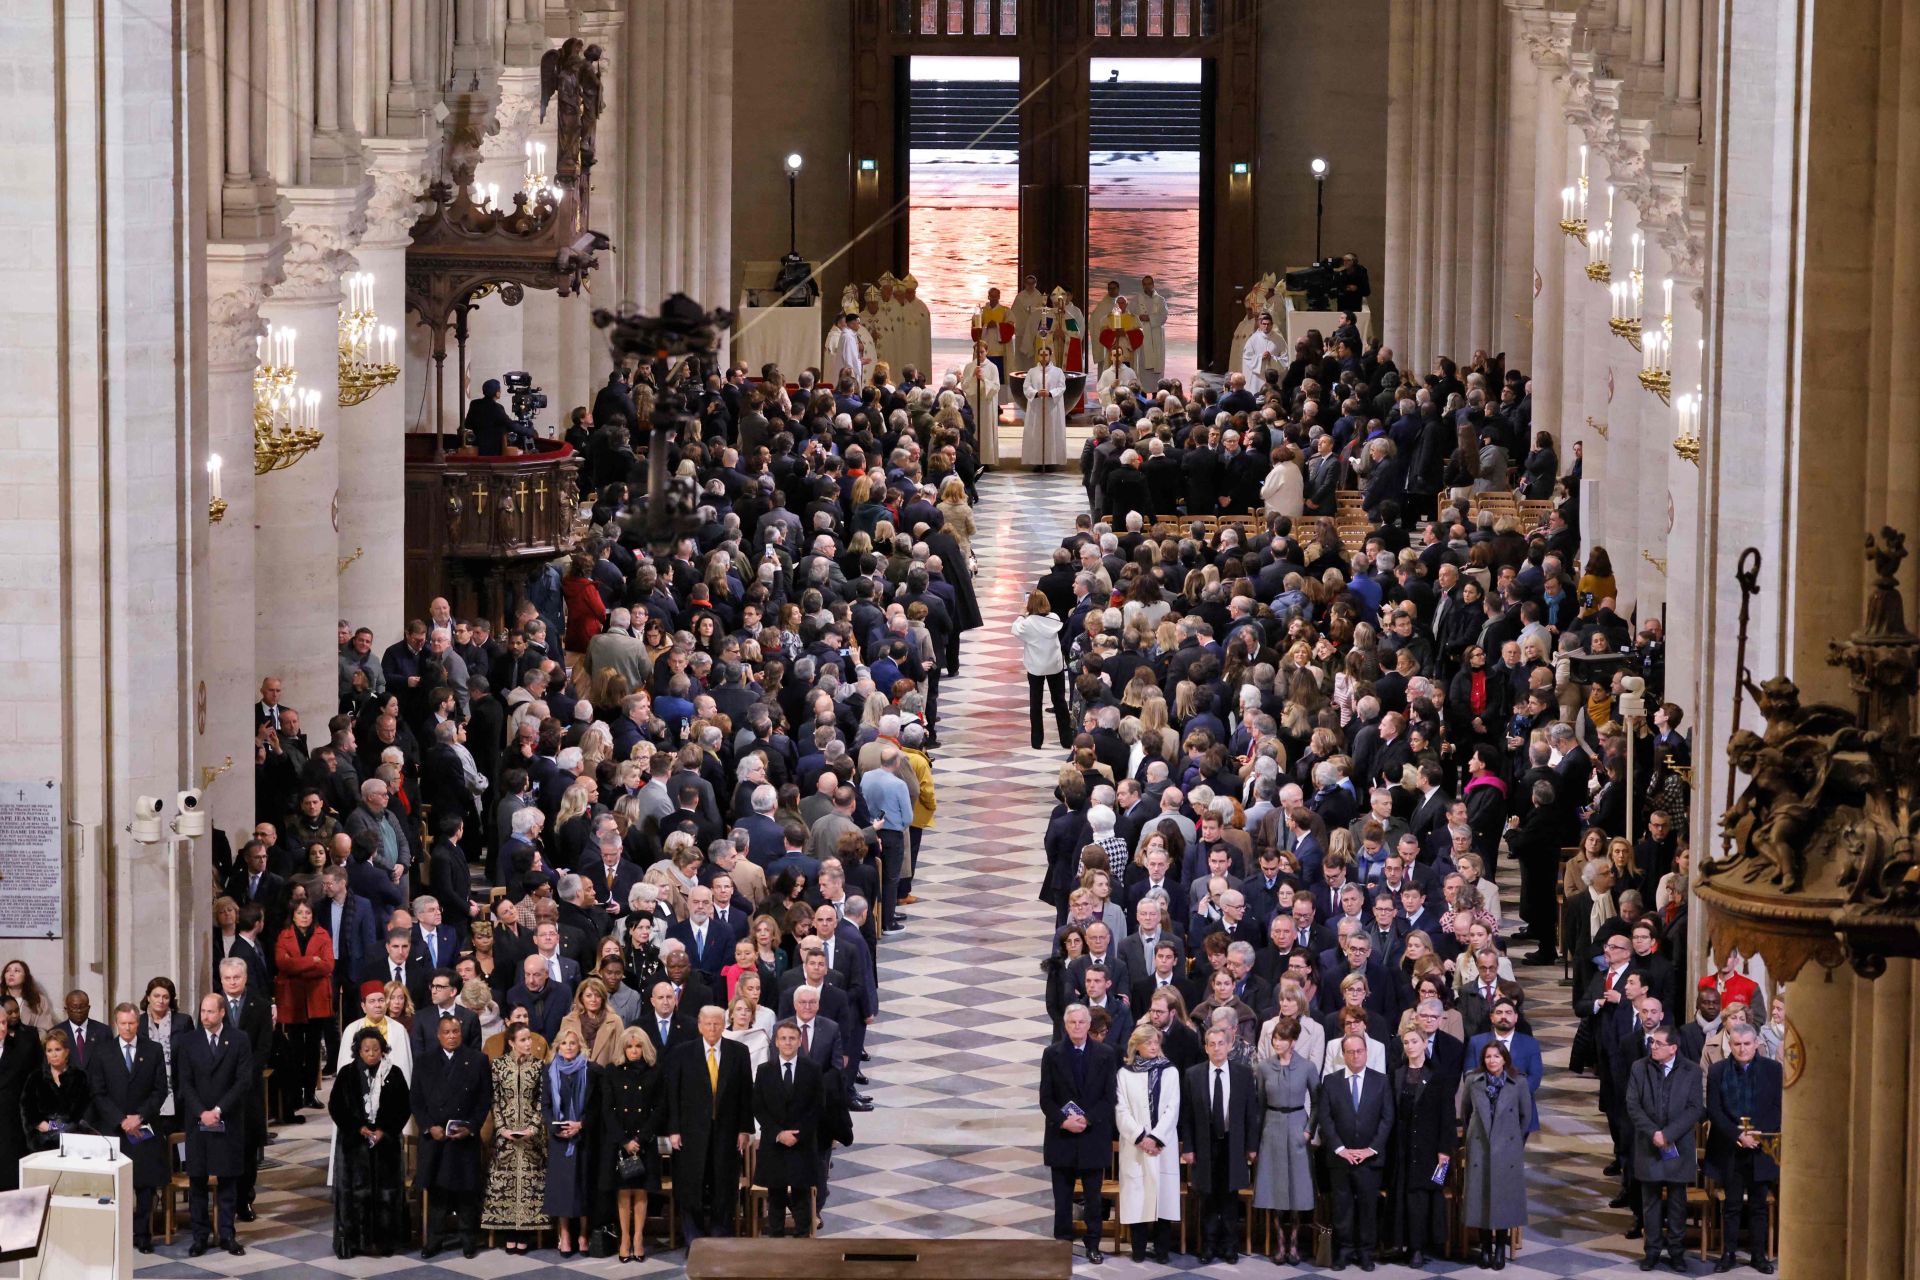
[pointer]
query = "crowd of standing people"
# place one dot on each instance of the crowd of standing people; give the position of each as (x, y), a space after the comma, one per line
(586, 901)
(1300, 747)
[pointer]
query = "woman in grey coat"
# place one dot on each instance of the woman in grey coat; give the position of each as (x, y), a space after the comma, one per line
(1497, 1105)
(1289, 1088)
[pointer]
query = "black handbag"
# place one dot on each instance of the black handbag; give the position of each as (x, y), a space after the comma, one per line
(630, 1166)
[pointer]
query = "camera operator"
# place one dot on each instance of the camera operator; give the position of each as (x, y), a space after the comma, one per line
(491, 426)
(1351, 287)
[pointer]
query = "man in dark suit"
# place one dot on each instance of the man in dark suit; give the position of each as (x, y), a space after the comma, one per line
(348, 919)
(1159, 878)
(813, 974)
(451, 1095)
(787, 1100)
(399, 963)
(1521, 1047)
(1446, 1055)
(708, 941)
(85, 1031)
(545, 1000)
(443, 990)
(1079, 1084)
(708, 1119)
(1485, 990)
(611, 874)
(1663, 1104)
(252, 883)
(432, 940)
(821, 1038)
(249, 1010)
(1743, 1099)
(128, 1076)
(215, 1071)
(1219, 1136)
(663, 1022)
(1356, 1118)
(443, 776)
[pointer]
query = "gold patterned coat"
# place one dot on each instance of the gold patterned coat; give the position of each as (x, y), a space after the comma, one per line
(517, 1179)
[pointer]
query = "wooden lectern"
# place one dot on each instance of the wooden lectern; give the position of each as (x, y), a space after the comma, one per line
(713, 1258)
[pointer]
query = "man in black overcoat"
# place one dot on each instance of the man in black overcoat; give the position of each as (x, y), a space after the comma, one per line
(452, 1094)
(215, 1068)
(709, 1100)
(788, 1095)
(249, 1010)
(128, 1076)
(1219, 1139)
(1743, 1100)
(1079, 1085)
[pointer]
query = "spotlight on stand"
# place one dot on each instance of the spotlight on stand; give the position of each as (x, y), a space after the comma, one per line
(1320, 169)
(795, 281)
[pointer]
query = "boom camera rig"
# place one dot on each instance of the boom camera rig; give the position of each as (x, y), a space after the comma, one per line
(686, 333)
(1318, 282)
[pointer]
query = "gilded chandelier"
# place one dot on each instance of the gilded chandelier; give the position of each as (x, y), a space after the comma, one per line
(367, 347)
(285, 418)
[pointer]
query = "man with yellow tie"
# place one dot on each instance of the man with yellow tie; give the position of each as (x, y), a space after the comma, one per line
(709, 1098)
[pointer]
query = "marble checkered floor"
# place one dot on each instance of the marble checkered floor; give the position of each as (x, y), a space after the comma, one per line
(952, 1149)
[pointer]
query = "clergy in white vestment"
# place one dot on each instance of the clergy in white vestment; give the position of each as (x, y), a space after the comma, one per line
(1258, 299)
(833, 353)
(1043, 442)
(980, 388)
(1151, 310)
(1116, 377)
(912, 327)
(1260, 354)
(869, 345)
(1102, 309)
(1025, 313)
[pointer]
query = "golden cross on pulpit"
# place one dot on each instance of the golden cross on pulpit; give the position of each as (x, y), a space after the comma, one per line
(520, 492)
(540, 492)
(480, 499)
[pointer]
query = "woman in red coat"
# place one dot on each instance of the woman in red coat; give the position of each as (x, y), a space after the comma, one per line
(303, 1007)
(586, 611)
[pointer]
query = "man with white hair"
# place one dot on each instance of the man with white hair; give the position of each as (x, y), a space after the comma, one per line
(619, 648)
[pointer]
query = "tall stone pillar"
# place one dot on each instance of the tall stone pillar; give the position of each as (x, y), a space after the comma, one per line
(604, 22)
(1621, 410)
(372, 533)
(1546, 279)
(239, 277)
(1525, 23)
(297, 601)
(1396, 320)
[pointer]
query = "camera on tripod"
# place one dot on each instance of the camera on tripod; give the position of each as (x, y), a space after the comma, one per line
(527, 399)
(1318, 282)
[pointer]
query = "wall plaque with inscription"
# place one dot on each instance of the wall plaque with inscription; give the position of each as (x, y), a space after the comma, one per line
(30, 872)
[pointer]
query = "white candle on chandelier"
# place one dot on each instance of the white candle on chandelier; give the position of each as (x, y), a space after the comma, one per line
(1666, 297)
(213, 476)
(1583, 162)
(1636, 251)
(1609, 204)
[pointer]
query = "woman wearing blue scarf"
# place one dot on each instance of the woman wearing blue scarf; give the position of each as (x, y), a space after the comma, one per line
(572, 1089)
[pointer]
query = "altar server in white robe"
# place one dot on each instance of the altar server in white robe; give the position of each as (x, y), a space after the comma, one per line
(1025, 309)
(844, 355)
(1151, 311)
(1117, 376)
(1261, 353)
(980, 387)
(876, 344)
(1258, 299)
(1043, 442)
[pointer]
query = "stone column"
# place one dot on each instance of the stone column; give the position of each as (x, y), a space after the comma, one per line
(372, 527)
(335, 158)
(297, 604)
(238, 278)
(1575, 394)
(1402, 110)
(1619, 409)
(1525, 23)
(605, 25)
(1550, 175)
(410, 96)
(1440, 184)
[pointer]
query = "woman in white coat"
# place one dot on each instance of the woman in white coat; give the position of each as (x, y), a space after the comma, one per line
(1284, 491)
(1147, 1113)
(1038, 631)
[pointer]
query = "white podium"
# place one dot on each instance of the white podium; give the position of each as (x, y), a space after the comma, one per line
(790, 337)
(89, 1218)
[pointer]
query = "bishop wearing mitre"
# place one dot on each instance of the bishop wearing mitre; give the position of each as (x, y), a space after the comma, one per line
(980, 388)
(912, 328)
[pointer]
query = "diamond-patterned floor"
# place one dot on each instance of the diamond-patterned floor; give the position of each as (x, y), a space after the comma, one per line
(952, 1149)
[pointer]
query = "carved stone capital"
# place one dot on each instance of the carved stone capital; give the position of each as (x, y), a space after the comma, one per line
(401, 171)
(240, 275)
(323, 224)
(1548, 40)
(515, 118)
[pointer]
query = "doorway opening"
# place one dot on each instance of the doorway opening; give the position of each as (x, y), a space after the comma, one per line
(1145, 131)
(963, 211)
